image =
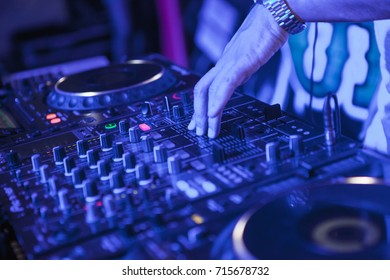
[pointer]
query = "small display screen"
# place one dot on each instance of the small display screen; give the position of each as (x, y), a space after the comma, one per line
(42, 146)
(7, 120)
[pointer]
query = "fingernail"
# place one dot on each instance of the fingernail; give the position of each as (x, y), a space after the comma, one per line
(211, 133)
(199, 131)
(191, 125)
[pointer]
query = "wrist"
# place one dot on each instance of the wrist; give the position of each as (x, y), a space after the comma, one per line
(284, 15)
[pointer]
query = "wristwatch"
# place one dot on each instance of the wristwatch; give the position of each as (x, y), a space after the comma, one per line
(283, 15)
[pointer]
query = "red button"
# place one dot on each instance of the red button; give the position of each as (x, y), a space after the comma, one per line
(51, 116)
(144, 127)
(56, 120)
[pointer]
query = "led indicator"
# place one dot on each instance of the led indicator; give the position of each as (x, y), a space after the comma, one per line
(197, 219)
(176, 96)
(56, 120)
(144, 127)
(110, 126)
(51, 116)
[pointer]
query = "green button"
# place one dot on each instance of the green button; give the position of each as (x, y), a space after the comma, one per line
(110, 126)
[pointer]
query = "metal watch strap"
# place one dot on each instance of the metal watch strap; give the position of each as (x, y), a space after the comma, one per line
(283, 15)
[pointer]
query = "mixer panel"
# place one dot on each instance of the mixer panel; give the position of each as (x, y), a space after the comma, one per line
(105, 168)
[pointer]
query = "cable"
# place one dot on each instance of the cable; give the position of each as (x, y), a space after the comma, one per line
(313, 63)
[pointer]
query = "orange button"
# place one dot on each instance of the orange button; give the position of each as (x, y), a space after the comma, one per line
(144, 127)
(56, 120)
(51, 116)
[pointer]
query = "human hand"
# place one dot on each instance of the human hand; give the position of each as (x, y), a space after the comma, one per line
(254, 43)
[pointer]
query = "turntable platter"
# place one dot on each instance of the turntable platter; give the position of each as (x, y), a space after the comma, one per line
(349, 219)
(111, 86)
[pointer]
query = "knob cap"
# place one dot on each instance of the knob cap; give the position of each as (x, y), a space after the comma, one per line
(91, 213)
(134, 134)
(92, 158)
(147, 143)
(296, 145)
(69, 164)
(59, 154)
(160, 153)
(53, 185)
(116, 182)
(177, 112)
(109, 206)
(117, 151)
(129, 162)
(82, 148)
(78, 176)
(142, 173)
(104, 169)
(105, 142)
(90, 190)
(63, 200)
(146, 109)
(36, 162)
(44, 173)
(272, 152)
(174, 164)
(124, 126)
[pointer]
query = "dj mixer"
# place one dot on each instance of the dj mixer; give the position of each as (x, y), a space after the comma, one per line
(96, 162)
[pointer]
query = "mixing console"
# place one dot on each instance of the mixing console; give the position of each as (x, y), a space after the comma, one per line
(99, 164)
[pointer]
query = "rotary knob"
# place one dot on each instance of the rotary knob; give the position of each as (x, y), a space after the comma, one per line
(134, 134)
(160, 153)
(63, 200)
(44, 173)
(295, 145)
(123, 127)
(109, 206)
(142, 173)
(174, 164)
(146, 109)
(78, 176)
(117, 184)
(177, 112)
(104, 169)
(59, 155)
(105, 142)
(117, 151)
(69, 164)
(82, 148)
(272, 152)
(36, 162)
(92, 158)
(129, 162)
(147, 143)
(91, 191)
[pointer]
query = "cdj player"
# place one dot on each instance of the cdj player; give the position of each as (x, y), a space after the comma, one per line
(96, 162)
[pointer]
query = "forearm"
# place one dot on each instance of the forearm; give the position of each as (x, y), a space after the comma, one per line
(340, 10)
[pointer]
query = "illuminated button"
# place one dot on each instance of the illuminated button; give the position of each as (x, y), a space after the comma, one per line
(56, 120)
(51, 116)
(110, 126)
(197, 219)
(144, 127)
(192, 193)
(183, 185)
(209, 186)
